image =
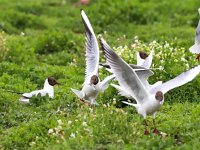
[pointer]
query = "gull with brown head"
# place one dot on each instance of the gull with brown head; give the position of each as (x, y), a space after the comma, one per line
(48, 89)
(92, 84)
(148, 98)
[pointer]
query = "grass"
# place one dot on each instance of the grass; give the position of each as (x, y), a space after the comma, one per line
(46, 38)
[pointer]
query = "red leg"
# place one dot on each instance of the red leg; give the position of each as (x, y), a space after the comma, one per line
(155, 130)
(198, 57)
(85, 102)
(146, 132)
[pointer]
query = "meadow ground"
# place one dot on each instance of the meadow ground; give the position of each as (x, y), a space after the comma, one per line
(42, 38)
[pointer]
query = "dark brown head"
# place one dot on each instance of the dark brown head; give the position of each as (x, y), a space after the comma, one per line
(52, 81)
(159, 96)
(94, 80)
(143, 55)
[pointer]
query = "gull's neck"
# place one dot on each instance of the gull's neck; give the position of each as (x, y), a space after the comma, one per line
(48, 88)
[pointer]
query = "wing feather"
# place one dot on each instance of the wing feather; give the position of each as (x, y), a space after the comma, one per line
(125, 75)
(92, 49)
(181, 79)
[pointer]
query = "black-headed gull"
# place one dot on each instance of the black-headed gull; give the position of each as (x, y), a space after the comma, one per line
(47, 90)
(143, 59)
(92, 85)
(149, 98)
(195, 49)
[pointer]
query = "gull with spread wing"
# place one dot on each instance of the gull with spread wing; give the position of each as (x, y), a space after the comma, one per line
(143, 59)
(92, 85)
(148, 98)
(195, 49)
(47, 90)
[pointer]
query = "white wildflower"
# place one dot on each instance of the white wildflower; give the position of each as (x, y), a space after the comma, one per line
(187, 66)
(182, 59)
(22, 33)
(60, 122)
(72, 135)
(32, 143)
(50, 131)
(154, 42)
(114, 101)
(69, 122)
(91, 110)
(59, 128)
(161, 67)
(84, 123)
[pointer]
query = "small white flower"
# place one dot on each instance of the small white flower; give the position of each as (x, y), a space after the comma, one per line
(91, 110)
(22, 33)
(187, 66)
(32, 143)
(50, 131)
(72, 135)
(154, 42)
(60, 122)
(136, 37)
(114, 101)
(59, 128)
(161, 67)
(84, 123)
(182, 59)
(69, 122)
(84, 117)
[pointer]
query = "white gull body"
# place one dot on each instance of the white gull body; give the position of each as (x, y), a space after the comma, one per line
(47, 90)
(90, 91)
(148, 98)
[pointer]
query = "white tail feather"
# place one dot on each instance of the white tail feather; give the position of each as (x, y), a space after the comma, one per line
(78, 93)
(131, 104)
(121, 91)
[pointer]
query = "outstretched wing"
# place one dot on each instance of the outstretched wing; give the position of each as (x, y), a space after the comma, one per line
(181, 79)
(125, 75)
(122, 91)
(92, 49)
(105, 83)
(142, 74)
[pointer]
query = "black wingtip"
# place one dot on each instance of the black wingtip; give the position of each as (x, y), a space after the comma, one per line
(105, 65)
(101, 42)
(81, 10)
(87, 30)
